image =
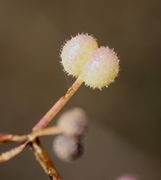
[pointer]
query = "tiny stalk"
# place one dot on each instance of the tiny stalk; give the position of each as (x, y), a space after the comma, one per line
(46, 119)
(44, 161)
(55, 130)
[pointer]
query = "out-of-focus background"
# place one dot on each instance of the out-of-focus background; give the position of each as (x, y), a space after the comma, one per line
(125, 119)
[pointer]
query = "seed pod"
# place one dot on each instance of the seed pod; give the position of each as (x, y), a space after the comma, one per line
(67, 148)
(101, 69)
(73, 122)
(76, 52)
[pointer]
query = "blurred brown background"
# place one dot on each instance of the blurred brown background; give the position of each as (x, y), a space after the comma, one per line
(125, 119)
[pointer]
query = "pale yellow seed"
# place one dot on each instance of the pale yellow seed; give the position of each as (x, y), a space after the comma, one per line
(76, 52)
(101, 69)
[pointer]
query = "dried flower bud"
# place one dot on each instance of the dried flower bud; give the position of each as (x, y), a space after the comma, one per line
(67, 148)
(76, 52)
(101, 69)
(73, 122)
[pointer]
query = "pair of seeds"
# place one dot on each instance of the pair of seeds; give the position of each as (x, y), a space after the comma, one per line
(73, 123)
(96, 67)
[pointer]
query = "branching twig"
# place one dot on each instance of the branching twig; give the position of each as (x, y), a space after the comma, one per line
(38, 131)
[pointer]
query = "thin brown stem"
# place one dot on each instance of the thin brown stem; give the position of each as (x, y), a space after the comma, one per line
(44, 161)
(12, 153)
(45, 132)
(57, 106)
(4, 138)
(36, 146)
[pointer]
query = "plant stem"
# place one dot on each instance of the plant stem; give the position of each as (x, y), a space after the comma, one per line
(37, 148)
(57, 106)
(12, 153)
(44, 132)
(4, 138)
(44, 161)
